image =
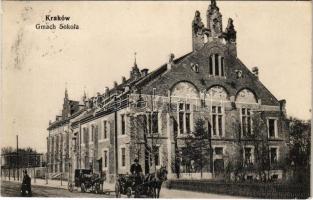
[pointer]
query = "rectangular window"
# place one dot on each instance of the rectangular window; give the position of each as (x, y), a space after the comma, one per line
(248, 156)
(211, 65)
(222, 66)
(216, 65)
(155, 122)
(105, 130)
(219, 150)
(187, 107)
(246, 122)
(181, 107)
(220, 125)
(123, 124)
(105, 159)
(184, 118)
(273, 155)
(149, 123)
(157, 156)
(92, 132)
(271, 127)
(217, 120)
(214, 124)
(188, 122)
(209, 129)
(123, 156)
(181, 122)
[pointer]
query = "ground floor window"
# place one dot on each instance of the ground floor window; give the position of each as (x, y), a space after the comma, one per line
(248, 156)
(123, 156)
(105, 159)
(273, 155)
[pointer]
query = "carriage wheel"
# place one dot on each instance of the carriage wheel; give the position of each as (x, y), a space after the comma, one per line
(83, 187)
(97, 188)
(70, 187)
(129, 192)
(117, 190)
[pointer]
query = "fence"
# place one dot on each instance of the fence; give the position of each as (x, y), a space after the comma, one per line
(17, 174)
(259, 190)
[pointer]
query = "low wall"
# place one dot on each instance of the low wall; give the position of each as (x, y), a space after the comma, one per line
(190, 176)
(259, 190)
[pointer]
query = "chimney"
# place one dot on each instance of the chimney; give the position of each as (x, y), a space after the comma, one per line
(283, 107)
(115, 84)
(123, 79)
(255, 71)
(106, 91)
(144, 72)
(170, 61)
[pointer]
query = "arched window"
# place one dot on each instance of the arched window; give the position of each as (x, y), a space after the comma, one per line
(185, 89)
(216, 65)
(246, 96)
(217, 93)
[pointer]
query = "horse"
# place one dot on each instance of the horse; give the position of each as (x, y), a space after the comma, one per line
(154, 182)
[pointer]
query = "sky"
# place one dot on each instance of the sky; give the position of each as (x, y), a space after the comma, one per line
(37, 65)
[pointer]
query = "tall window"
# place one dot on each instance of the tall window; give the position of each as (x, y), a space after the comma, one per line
(123, 124)
(246, 121)
(123, 156)
(155, 122)
(248, 155)
(105, 136)
(92, 132)
(157, 155)
(105, 159)
(273, 155)
(184, 121)
(151, 122)
(216, 65)
(217, 121)
(272, 128)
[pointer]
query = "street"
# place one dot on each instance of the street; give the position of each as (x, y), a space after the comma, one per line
(12, 189)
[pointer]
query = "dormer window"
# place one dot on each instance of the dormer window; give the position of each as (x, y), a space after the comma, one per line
(216, 65)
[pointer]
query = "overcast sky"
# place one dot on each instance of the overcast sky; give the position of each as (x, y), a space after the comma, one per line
(38, 64)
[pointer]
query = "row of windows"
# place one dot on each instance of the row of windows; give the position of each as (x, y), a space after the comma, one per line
(247, 128)
(249, 159)
(156, 161)
(216, 65)
(216, 125)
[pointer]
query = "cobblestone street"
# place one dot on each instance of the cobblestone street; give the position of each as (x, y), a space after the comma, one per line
(54, 189)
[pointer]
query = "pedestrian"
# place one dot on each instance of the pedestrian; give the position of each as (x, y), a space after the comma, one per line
(26, 184)
(136, 171)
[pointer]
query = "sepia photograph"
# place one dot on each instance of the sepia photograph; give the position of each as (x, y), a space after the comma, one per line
(156, 99)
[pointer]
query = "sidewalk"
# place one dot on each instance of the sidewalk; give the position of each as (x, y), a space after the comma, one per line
(57, 183)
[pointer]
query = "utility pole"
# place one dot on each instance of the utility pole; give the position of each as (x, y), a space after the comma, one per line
(152, 138)
(17, 159)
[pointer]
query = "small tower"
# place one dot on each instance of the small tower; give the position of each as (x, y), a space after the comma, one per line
(214, 21)
(66, 94)
(198, 31)
(135, 72)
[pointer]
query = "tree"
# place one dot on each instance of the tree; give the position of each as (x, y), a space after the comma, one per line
(26, 157)
(300, 147)
(197, 150)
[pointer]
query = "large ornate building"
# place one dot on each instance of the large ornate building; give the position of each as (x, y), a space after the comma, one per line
(152, 115)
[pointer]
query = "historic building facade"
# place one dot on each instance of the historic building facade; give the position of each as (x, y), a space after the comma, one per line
(152, 116)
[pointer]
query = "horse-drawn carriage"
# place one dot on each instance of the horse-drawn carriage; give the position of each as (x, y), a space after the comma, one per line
(140, 186)
(86, 181)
